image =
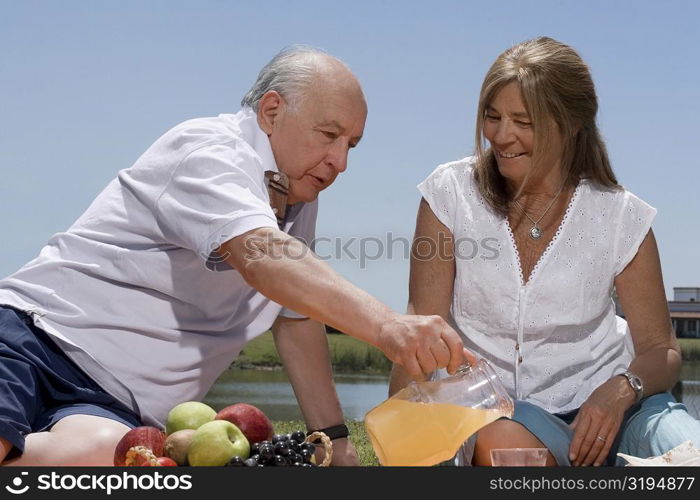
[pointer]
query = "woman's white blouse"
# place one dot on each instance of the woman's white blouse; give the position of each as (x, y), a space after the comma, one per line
(552, 338)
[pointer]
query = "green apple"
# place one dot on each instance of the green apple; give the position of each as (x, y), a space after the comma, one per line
(188, 415)
(217, 442)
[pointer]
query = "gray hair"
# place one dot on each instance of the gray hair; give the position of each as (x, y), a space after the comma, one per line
(289, 73)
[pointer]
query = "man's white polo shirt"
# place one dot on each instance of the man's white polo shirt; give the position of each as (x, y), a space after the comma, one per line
(132, 292)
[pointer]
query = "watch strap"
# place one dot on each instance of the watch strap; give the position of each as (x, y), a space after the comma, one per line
(333, 432)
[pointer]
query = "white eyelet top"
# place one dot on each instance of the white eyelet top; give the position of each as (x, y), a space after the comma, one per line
(554, 337)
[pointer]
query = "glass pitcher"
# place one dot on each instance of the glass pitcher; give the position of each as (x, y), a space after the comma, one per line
(425, 423)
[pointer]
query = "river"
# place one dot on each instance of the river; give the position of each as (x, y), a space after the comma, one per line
(270, 391)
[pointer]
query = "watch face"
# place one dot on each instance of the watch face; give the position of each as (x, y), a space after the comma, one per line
(636, 383)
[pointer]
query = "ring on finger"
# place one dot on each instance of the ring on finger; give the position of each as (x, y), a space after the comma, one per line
(601, 438)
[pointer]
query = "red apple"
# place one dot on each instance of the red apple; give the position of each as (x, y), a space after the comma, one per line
(147, 436)
(143, 461)
(166, 462)
(249, 419)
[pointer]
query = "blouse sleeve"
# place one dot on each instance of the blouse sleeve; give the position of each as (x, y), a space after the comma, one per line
(439, 190)
(633, 224)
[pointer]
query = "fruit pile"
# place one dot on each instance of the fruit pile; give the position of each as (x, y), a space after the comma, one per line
(195, 434)
(283, 450)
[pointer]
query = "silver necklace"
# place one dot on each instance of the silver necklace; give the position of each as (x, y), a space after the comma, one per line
(535, 231)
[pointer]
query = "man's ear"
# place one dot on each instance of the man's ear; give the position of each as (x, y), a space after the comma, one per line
(270, 109)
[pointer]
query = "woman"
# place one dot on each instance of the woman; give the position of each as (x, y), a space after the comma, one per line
(540, 235)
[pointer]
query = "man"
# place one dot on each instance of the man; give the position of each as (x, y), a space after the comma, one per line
(181, 260)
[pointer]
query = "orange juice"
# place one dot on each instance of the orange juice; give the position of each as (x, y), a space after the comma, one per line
(412, 433)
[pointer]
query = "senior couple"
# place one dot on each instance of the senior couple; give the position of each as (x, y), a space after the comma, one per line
(184, 257)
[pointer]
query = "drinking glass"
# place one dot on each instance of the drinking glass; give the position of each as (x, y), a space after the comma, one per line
(518, 457)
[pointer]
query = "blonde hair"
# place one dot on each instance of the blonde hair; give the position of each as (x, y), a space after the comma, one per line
(556, 88)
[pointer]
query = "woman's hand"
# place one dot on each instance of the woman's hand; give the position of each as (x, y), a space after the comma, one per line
(598, 421)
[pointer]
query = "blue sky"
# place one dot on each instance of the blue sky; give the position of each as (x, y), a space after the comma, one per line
(86, 87)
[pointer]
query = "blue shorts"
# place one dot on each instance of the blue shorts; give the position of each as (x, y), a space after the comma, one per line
(39, 384)
(653, 426)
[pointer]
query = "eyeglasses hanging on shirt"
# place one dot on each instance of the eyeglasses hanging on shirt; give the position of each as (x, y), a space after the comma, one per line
(278, 190)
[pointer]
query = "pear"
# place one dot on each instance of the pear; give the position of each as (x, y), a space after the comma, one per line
(177, 444)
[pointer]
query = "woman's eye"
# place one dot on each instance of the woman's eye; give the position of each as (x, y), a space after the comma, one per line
(330, 135)
(523, 124)
(493, 118)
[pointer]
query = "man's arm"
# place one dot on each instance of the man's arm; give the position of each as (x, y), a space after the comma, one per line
(303, 347)
(285, 270)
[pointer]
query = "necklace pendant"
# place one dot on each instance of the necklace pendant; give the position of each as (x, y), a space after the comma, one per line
(535, 233)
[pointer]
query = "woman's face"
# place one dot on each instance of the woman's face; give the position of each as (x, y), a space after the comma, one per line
(508, 128)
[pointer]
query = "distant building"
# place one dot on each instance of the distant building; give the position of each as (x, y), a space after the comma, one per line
(684, 309)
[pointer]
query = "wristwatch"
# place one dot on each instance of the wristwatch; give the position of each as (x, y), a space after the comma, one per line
(334, 432)
(635, 383)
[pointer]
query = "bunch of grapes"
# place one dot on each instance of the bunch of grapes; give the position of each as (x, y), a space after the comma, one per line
(284, 450)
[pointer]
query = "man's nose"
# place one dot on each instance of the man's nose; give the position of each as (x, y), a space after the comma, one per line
(338, 156)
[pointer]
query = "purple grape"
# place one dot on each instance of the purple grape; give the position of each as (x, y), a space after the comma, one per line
(306, 455)
(298, 436)
(236, 462)
(311, 447)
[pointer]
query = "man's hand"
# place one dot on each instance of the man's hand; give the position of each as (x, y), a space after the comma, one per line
(344, 453)
(598, 421)
(422, 344)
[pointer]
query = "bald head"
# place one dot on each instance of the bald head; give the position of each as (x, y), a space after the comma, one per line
(313, 111)
(297, 70)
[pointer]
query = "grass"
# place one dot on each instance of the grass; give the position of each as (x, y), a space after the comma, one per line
(351, 355)
(347, 355)
(259, 352)
(690, 348)
(358, 437)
